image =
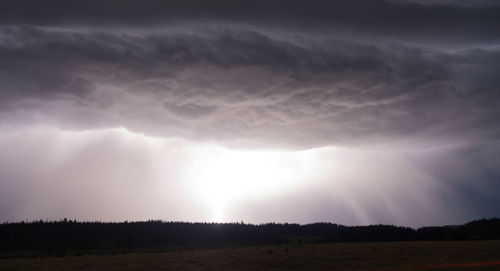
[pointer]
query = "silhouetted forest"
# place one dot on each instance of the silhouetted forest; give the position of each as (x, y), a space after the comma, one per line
(68, 235)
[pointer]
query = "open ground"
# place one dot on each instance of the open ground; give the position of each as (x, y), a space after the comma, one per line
(450, 255)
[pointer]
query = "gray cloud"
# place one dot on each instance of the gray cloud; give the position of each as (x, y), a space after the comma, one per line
(246, 85)
(390, 17)
(396, 75)
(462, 3)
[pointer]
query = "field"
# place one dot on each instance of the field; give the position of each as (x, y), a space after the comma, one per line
(453, 255)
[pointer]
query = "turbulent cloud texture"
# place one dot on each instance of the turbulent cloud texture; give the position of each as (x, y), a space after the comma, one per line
(412, 77)
(240, 84)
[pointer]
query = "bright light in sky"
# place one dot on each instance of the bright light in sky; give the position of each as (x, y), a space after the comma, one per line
(221, 177)
(116, 175)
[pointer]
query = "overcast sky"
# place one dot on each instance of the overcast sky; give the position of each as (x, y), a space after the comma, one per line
(353, 112)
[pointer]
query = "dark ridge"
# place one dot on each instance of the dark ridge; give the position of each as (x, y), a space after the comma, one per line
(71, 236)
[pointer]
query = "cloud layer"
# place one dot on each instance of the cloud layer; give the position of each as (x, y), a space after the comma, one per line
(244, 85)
(414, 78)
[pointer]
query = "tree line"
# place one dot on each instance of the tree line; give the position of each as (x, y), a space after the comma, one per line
(70, 235)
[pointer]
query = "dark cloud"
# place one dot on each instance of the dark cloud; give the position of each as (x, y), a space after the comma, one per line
(402, 19)
(468, 172)
(246, 84)
(408, 75)
(190, 110)
(463, 3)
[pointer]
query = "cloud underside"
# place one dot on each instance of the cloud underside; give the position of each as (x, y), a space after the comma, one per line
(309, 74)
(246, 86)
(414, 79)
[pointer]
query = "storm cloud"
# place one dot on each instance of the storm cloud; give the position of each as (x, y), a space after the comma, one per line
(415, 78)
(241, 84)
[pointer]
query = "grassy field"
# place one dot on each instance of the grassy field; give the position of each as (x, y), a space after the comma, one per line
(339, 256)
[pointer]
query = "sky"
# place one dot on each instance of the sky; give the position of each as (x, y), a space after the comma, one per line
(351, 112)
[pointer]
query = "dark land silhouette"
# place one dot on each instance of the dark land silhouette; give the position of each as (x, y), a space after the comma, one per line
(72, 236)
